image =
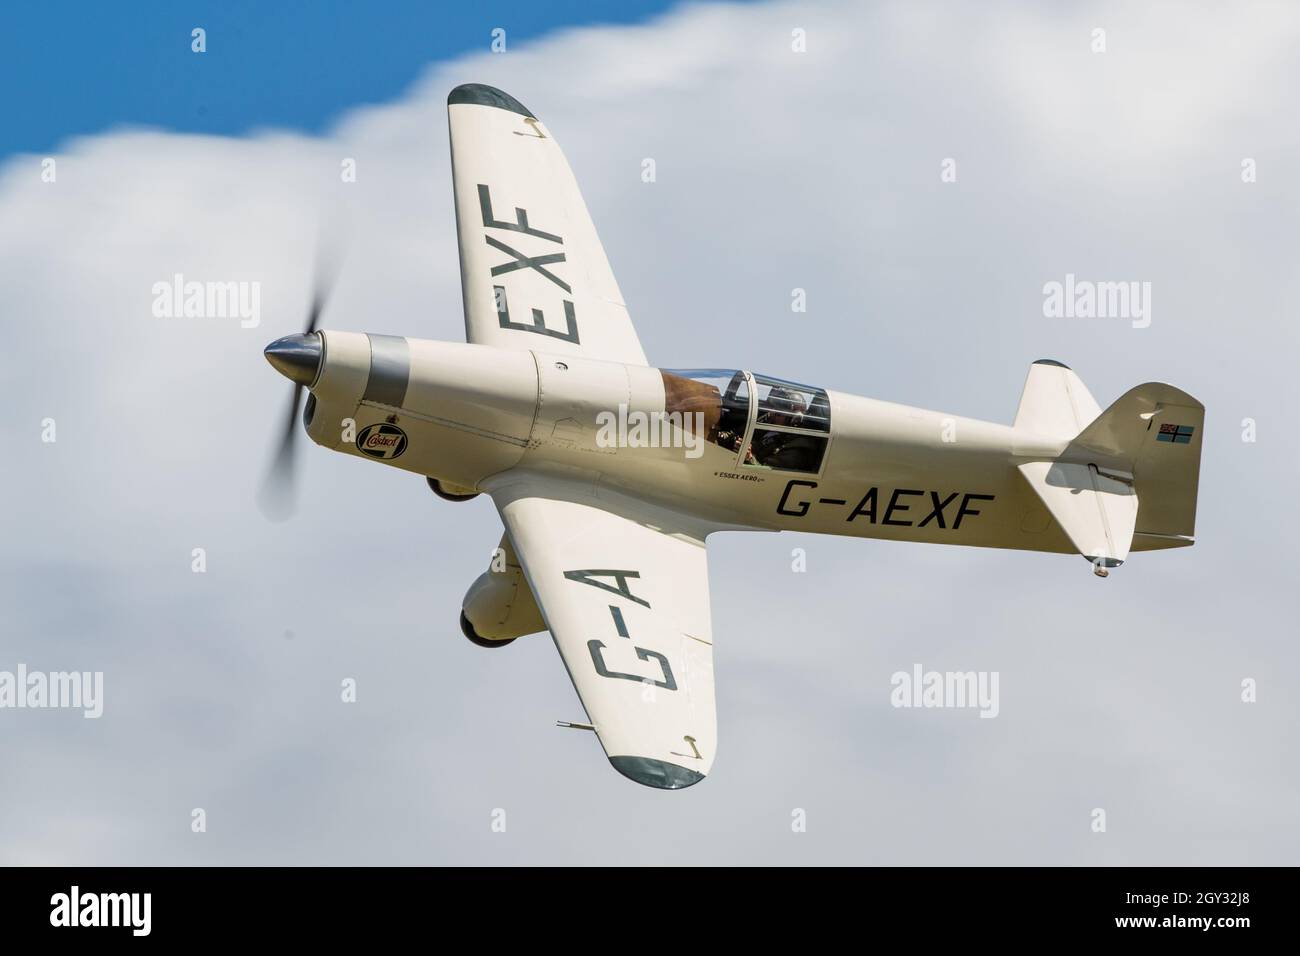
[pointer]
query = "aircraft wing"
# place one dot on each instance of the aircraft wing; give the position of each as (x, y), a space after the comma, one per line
(533, 272)
(624, 590)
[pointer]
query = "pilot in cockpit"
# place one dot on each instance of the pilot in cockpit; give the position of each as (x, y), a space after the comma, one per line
(781, 407)
(782, 450)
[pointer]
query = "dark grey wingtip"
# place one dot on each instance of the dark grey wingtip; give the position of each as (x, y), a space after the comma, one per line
(656, 773)
(478, 94)
(1052, 362)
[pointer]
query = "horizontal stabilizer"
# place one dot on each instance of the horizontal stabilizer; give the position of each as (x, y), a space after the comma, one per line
(1097, 512)
(1055, 403)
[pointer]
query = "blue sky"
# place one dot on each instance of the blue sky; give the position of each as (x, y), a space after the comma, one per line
(83, 68)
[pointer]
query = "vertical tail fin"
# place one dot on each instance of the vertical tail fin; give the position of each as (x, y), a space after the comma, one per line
(1153, 431)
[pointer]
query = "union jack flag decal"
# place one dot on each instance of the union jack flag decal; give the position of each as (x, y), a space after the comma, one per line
(1178, 434)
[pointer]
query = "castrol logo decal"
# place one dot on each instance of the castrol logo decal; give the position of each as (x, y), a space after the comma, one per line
(382, 441)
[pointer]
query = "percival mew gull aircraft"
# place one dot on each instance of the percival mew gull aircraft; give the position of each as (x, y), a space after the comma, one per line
(604, 542)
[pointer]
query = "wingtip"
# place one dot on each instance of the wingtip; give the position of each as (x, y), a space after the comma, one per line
(479, 94)
(658, 774)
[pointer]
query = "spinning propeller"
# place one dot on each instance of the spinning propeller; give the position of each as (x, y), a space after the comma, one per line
(297, 357)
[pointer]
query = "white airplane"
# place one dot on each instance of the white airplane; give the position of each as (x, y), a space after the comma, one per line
(610, 474)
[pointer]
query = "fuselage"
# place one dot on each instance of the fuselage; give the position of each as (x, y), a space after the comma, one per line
(836, 463)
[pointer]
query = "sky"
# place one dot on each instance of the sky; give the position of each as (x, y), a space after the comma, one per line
(290, 65)
(777, 170)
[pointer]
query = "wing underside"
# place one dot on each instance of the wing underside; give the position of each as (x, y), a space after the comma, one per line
(623, 588)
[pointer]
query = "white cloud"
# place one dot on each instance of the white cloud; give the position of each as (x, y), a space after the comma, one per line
(776, 170)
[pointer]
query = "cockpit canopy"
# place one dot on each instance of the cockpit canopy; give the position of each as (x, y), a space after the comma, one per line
(768, 422)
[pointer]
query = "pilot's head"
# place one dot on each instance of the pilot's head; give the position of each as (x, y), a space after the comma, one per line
(785, 407)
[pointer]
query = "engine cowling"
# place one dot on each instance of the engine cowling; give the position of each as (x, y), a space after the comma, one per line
(499, 606)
